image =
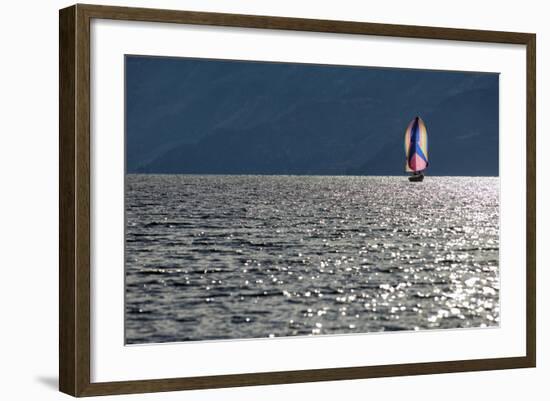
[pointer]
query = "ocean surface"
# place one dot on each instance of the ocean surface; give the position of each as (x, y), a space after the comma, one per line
(229, 257)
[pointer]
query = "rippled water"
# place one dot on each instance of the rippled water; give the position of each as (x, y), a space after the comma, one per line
(218, 257)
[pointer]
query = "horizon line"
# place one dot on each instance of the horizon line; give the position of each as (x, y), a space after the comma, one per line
(304, 175)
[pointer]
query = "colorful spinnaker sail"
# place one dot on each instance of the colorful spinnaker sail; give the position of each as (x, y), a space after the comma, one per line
(416, 146)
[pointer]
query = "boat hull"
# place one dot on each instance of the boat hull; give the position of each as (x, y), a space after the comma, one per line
(416, 178)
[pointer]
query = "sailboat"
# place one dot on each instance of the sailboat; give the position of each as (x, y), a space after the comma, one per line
(416, 149)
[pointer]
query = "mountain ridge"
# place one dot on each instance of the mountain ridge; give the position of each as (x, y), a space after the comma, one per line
(262, 118)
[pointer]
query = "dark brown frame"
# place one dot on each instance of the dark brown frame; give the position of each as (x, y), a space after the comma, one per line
(74, 200)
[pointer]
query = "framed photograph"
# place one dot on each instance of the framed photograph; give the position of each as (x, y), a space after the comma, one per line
(250, 200)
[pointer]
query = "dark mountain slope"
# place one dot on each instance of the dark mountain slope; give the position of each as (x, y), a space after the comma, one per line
(228, 117)
(463, 139)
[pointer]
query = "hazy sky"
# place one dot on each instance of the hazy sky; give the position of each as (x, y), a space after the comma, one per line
(235, 117)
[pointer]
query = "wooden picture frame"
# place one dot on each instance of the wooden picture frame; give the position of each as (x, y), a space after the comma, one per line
(74, 200)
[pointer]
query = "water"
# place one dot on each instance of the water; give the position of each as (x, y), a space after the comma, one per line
(226, 257)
